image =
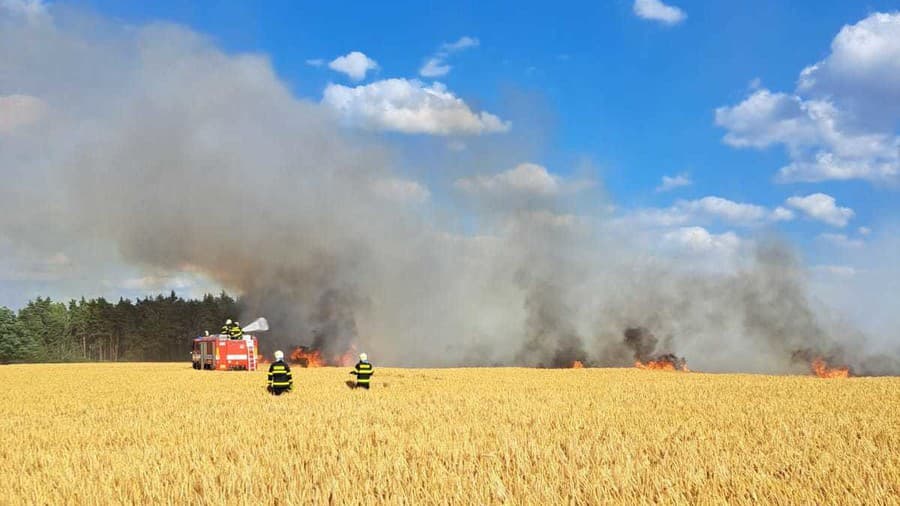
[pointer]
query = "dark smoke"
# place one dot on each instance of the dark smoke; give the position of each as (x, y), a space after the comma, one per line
(334, 327)
(642, 342)
(551, 339)
(644, 345)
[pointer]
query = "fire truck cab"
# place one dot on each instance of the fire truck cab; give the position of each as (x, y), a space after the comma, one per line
(220, 353)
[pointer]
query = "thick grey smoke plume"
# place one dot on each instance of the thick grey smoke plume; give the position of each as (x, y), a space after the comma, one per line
(152, 143)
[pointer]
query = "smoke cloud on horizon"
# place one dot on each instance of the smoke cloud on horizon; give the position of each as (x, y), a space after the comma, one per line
(153, 143)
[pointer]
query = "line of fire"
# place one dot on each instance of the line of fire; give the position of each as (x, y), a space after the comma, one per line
(224, 352)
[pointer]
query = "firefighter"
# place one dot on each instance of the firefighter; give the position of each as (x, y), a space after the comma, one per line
(226, 329)
(235, 331)
(280, 379)
(363, 371)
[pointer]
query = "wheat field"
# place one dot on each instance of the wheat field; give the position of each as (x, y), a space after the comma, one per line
(167, 434)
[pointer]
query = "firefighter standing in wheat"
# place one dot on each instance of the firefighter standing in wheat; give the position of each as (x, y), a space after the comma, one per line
(280, 379)
(363, 371)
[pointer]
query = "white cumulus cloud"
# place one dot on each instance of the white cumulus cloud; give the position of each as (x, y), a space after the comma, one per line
(765, 118)
(354, 64)
(656, 10)
(822, 207)
(782, 214)
(726, 209)
(410, 106)
(707, 209)
(864, 65)
(700, 240)
(840, 123)
(526, 178)
(523, 185)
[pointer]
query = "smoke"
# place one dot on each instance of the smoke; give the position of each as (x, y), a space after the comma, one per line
(644, 345)
(550, 334)
(160, 150)
(642, 342)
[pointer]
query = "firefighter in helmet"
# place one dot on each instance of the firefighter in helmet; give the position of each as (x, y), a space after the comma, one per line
(226, 329)
(235, 331)
(280, 379)
(363, 371)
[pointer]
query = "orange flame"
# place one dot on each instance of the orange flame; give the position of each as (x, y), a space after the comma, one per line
(660, 365)
(307, 358)
(820, 368)
(577, 365)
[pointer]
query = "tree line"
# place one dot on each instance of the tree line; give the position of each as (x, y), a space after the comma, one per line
(152, 329)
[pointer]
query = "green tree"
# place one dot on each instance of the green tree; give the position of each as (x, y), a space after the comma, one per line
(77, 329)
(154, 328)
(13, 344)
(44, 323)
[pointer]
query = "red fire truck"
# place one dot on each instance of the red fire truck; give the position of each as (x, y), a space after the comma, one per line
(219, 352)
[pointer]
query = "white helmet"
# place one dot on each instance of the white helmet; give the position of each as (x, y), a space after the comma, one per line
(228, 321)
(363, 357)
(279, 355)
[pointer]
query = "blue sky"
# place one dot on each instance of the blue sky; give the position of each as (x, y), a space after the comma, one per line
(622, 92)
(635, 96)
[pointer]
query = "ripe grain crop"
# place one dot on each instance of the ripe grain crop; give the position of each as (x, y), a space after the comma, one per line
(167, 434)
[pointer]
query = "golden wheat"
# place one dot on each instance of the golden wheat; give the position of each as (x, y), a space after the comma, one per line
(167, 434)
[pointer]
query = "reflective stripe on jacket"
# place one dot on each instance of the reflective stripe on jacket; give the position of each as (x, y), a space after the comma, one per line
(364, 372)
(280, 375)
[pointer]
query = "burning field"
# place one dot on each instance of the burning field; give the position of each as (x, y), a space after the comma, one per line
(822, 370)
(641, 342)
(304, 356)
(166, 434)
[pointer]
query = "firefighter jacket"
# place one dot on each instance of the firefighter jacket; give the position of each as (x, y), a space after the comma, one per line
(363, 372)
(280, 376)
(235, 332)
